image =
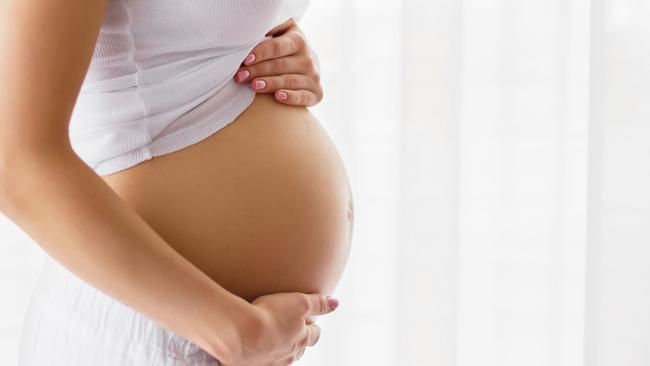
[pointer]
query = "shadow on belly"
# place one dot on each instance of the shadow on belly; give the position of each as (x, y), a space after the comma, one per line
(262, 206)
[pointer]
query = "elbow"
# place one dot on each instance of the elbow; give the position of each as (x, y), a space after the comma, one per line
(20, 169)
(6, 188)
(6, 185)
(9, 181)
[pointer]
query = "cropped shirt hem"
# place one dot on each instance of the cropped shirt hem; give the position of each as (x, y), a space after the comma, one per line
(162, 76)
(239, 98)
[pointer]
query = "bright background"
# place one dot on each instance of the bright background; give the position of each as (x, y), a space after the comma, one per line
(499, 153)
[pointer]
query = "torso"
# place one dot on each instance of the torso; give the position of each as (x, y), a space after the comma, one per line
(262, 206)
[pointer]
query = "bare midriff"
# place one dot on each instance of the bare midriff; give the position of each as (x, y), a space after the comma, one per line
(262, 206)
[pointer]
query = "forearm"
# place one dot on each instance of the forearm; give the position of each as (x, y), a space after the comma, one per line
(82, 223)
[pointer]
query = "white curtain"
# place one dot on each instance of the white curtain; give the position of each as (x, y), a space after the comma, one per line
(499, 153)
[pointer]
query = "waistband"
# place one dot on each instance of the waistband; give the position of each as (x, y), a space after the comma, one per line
(83, 308)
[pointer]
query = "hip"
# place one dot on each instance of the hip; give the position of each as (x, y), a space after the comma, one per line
(70, 323)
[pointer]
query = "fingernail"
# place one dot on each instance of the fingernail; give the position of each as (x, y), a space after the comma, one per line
(250, 58)
(282, 95)
(259, 84)
(242, 75)
(333, 303)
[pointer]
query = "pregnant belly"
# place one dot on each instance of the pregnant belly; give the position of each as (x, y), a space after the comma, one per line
(262, 206)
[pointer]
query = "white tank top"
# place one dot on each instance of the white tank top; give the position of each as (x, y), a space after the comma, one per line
(161, 76)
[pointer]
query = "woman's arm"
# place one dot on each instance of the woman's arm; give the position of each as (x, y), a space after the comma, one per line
(48, 191)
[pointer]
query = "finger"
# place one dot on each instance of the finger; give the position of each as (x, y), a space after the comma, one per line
(310, 319)
(317, 304)
(314, 335)
(286, 360)
(299, 355)
(282, 27)
(300, 97)
(295, 64)
(288, 81)
(281, 46)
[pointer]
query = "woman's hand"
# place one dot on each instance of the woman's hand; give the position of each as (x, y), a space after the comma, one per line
(284, 328)
(284, 65)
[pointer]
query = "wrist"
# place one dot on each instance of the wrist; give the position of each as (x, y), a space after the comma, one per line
(231, 329)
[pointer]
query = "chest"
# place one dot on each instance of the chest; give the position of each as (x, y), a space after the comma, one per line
(202, 23)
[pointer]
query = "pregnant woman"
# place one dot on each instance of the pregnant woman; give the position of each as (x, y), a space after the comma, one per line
(194, 211)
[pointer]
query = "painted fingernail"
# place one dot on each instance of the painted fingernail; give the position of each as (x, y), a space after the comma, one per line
(259, 84)
(242, 75)
(333, 303)
(250, 58)
(282, 95)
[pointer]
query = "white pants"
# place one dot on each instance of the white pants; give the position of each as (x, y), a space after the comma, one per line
(71, 323)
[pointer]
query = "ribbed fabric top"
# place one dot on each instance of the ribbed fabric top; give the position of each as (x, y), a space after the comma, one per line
(161, 76)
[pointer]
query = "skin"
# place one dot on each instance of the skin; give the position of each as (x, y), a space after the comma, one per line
(285, 66)
(79, 220)
(273, 182)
